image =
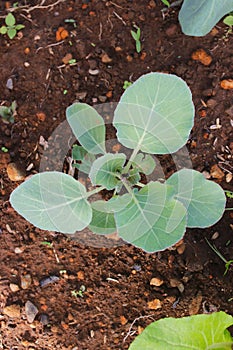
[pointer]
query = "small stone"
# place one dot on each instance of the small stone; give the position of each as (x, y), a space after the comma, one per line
(15, 173)
(105, 58)
(19, 250)
(9, 84)
(227, 84)
(37, 37)
(12, 311)
(157, 282)
(26, 281)
(211, 103)
(181, 248)
(228, 177)
(174, 283)
(215, 235)
(154, 304)
(81, 95)
(202, 56)
(14, 287)
(93, 71)
(44, 319)
(216, 172)
(26, 64)
(102, 98)
(171, 30)
(67, 58)
(41, 116)
(31, 311)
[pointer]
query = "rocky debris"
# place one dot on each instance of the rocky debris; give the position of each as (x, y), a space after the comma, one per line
(154, 304)
(155, 281)
(31, 311)
(26, 281)
(15, 172)
(12, 310)
(227, 84)
(216, 172)
(202, 56)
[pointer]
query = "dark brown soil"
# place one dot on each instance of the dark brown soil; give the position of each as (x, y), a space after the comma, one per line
(114, 306)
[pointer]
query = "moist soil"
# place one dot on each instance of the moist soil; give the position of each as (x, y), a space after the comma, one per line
(93, 294)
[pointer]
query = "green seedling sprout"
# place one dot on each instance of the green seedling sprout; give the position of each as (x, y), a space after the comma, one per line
(4, 149)
(78, 293)
(167, 3)
(228, 20)
(8, 113)
(136, 36)
(126, 84)
(10, 28)
(228, 263)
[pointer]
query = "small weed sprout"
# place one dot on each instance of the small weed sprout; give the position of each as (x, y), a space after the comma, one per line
(78, 293)
(228, 20)
(136, 36)
(8, 113)
(11, 28)
(126, 84)
(167, 3)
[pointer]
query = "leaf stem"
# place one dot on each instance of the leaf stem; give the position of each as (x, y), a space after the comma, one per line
(96, 190)
(133, 155)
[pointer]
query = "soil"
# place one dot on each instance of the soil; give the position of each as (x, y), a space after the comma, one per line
(50, 269)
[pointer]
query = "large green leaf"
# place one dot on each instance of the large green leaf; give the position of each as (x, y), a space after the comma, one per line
(153, 220)
(198, 17)
(198, 332)
(145, 163)
(88, 127)
(53, 201)
(105, 170)
(155, 114)
(103, 221)
(205, 200)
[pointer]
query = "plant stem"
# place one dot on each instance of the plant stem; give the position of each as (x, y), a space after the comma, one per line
(96, 190)
(133, 155)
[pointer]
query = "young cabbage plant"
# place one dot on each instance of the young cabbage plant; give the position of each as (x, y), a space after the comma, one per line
(154, 116)
(198, 332)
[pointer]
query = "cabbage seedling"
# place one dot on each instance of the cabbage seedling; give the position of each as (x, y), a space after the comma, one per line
(154, 116)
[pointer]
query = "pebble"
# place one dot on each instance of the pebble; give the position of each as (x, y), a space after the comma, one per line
(157, 282)
(26, 64)
(93, 71)
(14, 287)
(215, 235)
(154, 304)
(19, 250)
(41, 116)
(81, 95)
(216, 172)
(12, 311)
(105, 58)
(44, 319)
(48, 280)
(9, 84)
(171, 30)
(14, 172)
(174, 283)
(202, 56)
(31, 311)
(227, 84)
(228, 177)
(26, 281)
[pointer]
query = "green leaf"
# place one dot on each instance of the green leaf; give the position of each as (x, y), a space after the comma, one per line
(134, 176)
(106, 170)
(88, 127)
(198, 332)
(11, 32)
(103, 221)
(19, 26)
(10, 20)
(86, 159)
(134, 35)
(205, 200)
(228, 20)
(153, 220)
(3, 30)
(145, 163)
(138, 46)
(166, 2)
(53, 201)
(198, 17)
(155, 114)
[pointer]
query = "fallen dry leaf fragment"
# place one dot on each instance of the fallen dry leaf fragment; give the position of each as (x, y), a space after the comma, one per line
(123, 320)
(227, 84)
(66, 59)
(15, 173)
(216, 172)
(156, 282)
(202, 56)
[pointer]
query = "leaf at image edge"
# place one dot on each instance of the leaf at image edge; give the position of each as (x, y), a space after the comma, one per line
(198, 332)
